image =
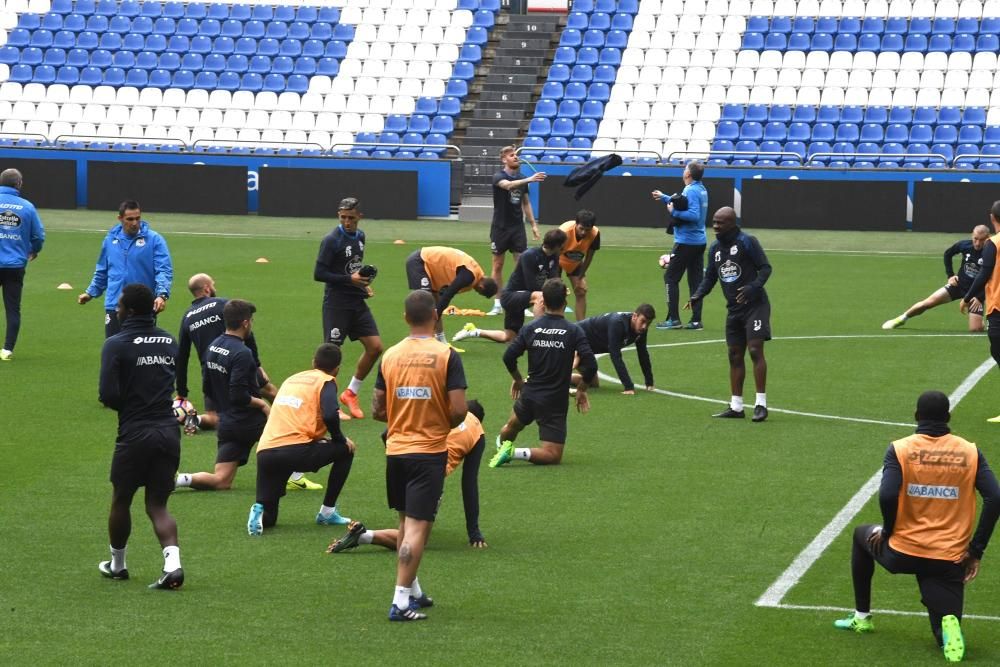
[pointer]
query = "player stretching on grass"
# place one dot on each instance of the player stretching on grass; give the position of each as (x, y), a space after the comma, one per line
(551, 343)
(971, 251)
(928, 501)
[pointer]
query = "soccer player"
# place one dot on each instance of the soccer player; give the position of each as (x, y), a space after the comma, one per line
(302, 414)
(230, 381)
(201, 324)
(137, 381)
(445, 272)
(583, 239)
(987, 285)
(466, 443)
(928, 502)
(523, 289)
(737, 260)
(551, 343)
(131, 253)
(21, 239)
(511, 205)
(971, 251)
(689, 245)
(341, 266)
(611, 332)
(420, 392)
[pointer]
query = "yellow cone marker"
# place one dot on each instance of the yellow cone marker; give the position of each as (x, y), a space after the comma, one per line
(64, 286)
(262, 260)
(399, 242)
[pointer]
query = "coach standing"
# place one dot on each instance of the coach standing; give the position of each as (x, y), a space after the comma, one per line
(131, 253)
(689, 245)
(21, 239)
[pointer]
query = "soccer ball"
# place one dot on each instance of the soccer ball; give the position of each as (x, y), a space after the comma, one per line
(182, 407)
(664, 261)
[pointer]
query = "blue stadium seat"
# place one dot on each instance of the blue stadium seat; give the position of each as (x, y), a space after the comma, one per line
(298, 29)
(565, 55)
(571, 37)
(751, 131)
(582, 73)
(781, 25)
(159, 78)
(826, 24)
(123, 59)
(869, 42)
(475, 35)
(539, 127)
(621, 21)
(419, 123)
(600, 92)
(963, 44)
(471, 53)
(775, 131)
(797, 147)
(252, 82)
(586, 130)
(892, 42)
(395, 123)
(559, 73)
(974, 116)
(949, 116)
(201, 44)
(336, 49)
(753, 41)
(154, 43)
(569, 109)
(920, 25)
(450, 106)
(587, 55)
(89, 76)
(62, 6)
(41, 39)
(183, 79)
(817, 147)
(967, 26)
(64, 39)
(900, 115)
(305, 66)
(594, 38)
(161, 26)
(921, 133)
(990, 26)
(101, 58)
(120, 25)
(989, 43)
(52, 22)
(799, 41)
(943, 26)
(290, 48)
(846, 43)
(925, 115)
(746, 146)
(68, 75)
(946, 150)
(940, 43)
(917, 153)
(848, 132)
(110, 41)
(896, 133)
(246, 46)
(872, 132)
(276, 29)
(823, 132)
(456, 88)
(759, 24)
(873, 25)
(804, 24)
(756, 113)
(849, 25)
(484, 19)
(727, 129)
(577, 20)
(464, 71)
(991, 135)
(563, 127)
(146, 60)
(237, 63)
(600, 21)
(616, 39)
(231, 28)
(799, 132)
(296, 83)
(114, 76)
(413, 138)
(828, 114)
(206, 80)
(31, 56)
(254, 28)
(258, 64)
(733, 112)
(214, 62)
(915, 43)
(229, 81)
(169, 61)
(442, 125)
(770, 149)
(722, 146)
(968, 134)
(775, 42)
(822, 41)
(313, 48)
(196, 10)
(605, 74)
(610, 56)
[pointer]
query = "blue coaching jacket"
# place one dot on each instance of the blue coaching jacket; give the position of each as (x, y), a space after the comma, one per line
(143, 258)
(689, 225)
(21, 231)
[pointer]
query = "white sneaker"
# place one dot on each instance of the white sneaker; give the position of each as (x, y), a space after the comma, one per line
(894, 323)
(496, 310)
(6, 355)
(468, 331)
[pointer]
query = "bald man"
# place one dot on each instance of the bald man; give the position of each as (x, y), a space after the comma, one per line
(21, 239)
(737, 260)
(971, 251)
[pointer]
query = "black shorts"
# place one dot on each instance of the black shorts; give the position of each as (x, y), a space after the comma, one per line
(550, 415)
(343, 322)
(508, 239)
(416, 272)
(514, 304)
(414, 483)
(235, 444)
(957, 292)
(275, 464)
(111, 323)
(147, 457)
(749, 323)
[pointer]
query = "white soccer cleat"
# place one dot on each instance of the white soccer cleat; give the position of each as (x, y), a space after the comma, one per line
(468, 331)
(894, 323)
(6, 355)
(496, 310)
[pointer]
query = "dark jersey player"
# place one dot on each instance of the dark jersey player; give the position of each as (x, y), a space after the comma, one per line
(551, 342)
(137, 381)
(737, 261)
(523, 289)
(230, 381)
(971, 252)
(341, 266)
(511, 205)
(610, 332)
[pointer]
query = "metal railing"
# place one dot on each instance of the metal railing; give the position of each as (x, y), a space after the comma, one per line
(880, 157)
(398, 145)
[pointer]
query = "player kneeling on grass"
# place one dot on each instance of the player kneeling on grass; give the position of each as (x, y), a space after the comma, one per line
(303, 412)
(611, 332)
(551, 342)
(466, 443)
(927, 525)
(137, 380)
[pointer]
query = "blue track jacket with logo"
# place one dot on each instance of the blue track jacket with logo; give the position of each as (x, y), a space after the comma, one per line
(143, 258)
(21, 231)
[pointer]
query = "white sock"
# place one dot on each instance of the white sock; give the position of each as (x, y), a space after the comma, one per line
(736, 403)
(862, 614)
(367, 537)
(171, 558)
(118, 559)
(522, 453)
(496, 303)
(295, 476)
(183, 479)
(761, 399)
(355, 385)
(402, 597)
(325, 511)
(415, 589)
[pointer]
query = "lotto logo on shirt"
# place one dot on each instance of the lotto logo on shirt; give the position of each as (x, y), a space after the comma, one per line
(929, 491)
(729, 272)
(420, 393)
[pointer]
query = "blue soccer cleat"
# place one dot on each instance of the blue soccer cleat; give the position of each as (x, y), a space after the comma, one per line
(255, 524)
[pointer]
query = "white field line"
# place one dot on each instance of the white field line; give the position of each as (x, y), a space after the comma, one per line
(773, 596)
(890, 612)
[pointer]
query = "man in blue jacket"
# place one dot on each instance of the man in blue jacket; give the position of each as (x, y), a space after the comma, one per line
(688, 253)
(131, 253)
(21, 239)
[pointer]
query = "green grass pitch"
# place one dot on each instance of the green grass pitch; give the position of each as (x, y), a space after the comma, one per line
(648, 546)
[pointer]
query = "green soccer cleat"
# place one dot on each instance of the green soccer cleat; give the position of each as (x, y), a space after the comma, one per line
(504, 455)
(852, 622)
(302, 484)
(894, 323)
(954, 643)
(349, 541)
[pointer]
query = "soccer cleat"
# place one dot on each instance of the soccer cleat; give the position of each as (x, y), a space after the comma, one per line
(504, 455)
(302, 484)
(422, 602)
(759, 413)
(105, 567)
(169, 581)
(496, 310)
(6, 355)
(994, 420)
(457, 349)
(344, 417)
(469, 330)
(694, 325)
(350, 399)
(255, 524)
(333, 520)
(953, 642)
(852, 622)
(669, 324)
(349, 541)
(729, 413)
(894, 323)
(408, 614)
(191, 423)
